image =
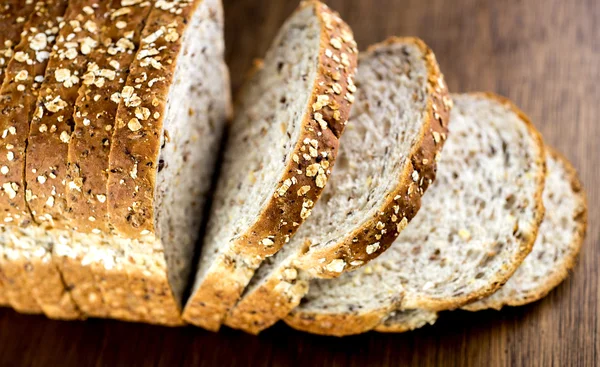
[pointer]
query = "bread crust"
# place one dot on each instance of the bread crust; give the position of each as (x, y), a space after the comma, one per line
(283, 213)
(17, 99)
(343, 324)
(562, 272)
(13, 15)
(95, 114)
(78, 277)
(408, 323)
(88, 151)
(273, 300)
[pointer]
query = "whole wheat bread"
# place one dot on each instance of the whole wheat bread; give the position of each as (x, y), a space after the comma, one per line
(554, 253)
(163, 147)
(477, 223)
(284, 136)
(407, 320)
(95, 109)
(386, 162)
(557, 245)
(13, 16)
(24, 75)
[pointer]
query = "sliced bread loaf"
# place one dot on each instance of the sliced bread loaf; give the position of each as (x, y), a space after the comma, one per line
(557, 245)
(165, 140)
(386, 161)
(284, 137)
(23, 77)
(476, 225)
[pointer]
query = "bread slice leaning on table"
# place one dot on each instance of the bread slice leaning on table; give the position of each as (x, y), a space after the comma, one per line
(156, 160)
(283, 139)
(387, 160)
(477, 223)
(554, 253)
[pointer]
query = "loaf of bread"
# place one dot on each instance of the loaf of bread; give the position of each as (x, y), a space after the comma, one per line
(118, 121)
(284, 138)
(477, 223)
(386, 161)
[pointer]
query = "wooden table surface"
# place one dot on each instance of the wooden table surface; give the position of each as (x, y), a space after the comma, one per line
(543, 54)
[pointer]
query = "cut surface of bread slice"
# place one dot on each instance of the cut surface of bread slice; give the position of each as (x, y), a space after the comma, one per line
(407, 320)
(284, 137)
(386, 162)
(23, 77)
(13, 16)
(477, 223)
(557, 245)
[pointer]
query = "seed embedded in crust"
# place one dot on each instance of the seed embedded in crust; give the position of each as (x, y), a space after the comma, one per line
(336, 266)
(372, 248)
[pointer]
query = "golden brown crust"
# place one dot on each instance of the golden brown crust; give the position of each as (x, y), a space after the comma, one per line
(95, 113)
(17, 100)
(50, 290)
(18, 292)
(50, 129)
(337, 324)
(283, 214)
(47, 142)
(267, 304)
(561, 273)
(403, 203)
(88, 150)
(13, 15)
(81, 284)
(407, 323)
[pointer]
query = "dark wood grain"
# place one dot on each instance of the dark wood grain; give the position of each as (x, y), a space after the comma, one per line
(543, 54)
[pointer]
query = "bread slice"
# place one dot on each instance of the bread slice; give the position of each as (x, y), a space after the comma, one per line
(407, 320)
(387, 160)
(18, 94)
(296, 106)
(13, 16)
(94, 116)
(557, 245)
(476, 225)
(50, 132)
